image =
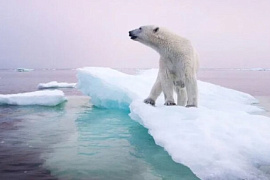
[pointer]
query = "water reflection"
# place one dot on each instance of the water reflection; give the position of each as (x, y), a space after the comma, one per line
(78, 141)
(109, 145)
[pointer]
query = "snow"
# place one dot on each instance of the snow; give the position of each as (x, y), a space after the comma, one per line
(43, 98)
(222, 139)
(55, 84)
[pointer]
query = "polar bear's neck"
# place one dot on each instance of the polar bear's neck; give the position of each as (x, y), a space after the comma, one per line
(167, 43)
(169, 48)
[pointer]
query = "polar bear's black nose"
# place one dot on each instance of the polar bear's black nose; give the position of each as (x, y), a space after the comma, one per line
(130, 33)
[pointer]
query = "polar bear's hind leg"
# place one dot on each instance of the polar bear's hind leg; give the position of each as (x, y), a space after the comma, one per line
(192, 92)
(181, 96)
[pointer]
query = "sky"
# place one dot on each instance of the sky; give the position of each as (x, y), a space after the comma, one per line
(72, 34)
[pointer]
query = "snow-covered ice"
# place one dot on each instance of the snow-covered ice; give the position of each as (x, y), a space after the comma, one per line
(222, 139)
(43, 98)
(55, 84)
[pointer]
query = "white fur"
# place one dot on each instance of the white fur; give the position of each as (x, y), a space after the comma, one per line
(177, 65)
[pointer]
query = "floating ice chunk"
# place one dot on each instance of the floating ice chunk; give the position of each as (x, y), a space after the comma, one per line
(24, 70)
(55, 84)
(218, 140)
(44, 98)
(111, 88)
(106, 87)
(253, 69)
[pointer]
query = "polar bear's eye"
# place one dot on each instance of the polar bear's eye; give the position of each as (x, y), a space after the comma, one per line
(140, 28)
(156, 29)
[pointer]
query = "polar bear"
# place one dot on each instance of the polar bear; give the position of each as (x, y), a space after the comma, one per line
(177, 65)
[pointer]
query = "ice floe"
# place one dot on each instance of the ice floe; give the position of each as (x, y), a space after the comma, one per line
(55, 84)
(43, 98)
(24, 70)
(222, 139)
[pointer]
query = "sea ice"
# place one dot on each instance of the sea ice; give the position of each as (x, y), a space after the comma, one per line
(253, 69)
(55, 84)
(43, 98)
(24, 70)
(220, 139)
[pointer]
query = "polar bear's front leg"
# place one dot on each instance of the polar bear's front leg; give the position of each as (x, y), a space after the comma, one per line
(167, 87)
(155, 92)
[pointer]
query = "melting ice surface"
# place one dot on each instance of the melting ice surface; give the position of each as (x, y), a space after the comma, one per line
(55, 84)
(222, 139)
(44, 98)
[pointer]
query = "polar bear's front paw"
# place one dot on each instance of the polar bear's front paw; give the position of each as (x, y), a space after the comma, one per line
(169, 103)
(149, 101)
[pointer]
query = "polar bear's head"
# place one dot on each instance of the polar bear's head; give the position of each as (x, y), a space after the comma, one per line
(148, 35)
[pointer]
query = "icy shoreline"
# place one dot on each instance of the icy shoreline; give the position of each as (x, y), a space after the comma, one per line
(218, 140)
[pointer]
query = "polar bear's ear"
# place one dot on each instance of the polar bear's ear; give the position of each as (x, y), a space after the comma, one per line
(156, 29)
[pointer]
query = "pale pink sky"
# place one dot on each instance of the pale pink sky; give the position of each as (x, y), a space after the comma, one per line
(70, 34)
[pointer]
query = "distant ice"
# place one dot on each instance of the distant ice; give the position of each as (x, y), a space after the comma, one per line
(235, 69)
(55, 84)
(219, 140)
(43, 98)
(24, 70)
(253, 69)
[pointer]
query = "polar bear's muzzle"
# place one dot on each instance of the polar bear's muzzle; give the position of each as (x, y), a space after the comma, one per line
(132, 35)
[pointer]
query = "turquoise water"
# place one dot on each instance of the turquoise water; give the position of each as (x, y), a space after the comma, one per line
(78, 141)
